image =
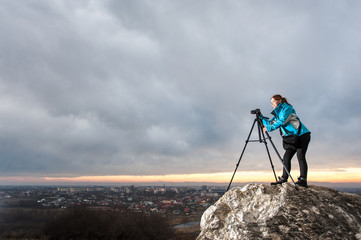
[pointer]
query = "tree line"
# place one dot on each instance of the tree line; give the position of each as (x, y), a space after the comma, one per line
(82, 223)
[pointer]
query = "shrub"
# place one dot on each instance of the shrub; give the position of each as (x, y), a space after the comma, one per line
(83, 223)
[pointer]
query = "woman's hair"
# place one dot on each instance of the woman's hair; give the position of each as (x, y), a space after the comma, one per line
(280, 98)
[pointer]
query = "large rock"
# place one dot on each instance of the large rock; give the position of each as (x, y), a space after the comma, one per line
(258, 211)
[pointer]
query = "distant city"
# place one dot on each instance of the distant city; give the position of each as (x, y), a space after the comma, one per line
(147, 199)
(179, 200)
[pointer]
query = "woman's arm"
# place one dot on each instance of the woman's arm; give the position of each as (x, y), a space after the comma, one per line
(283, 115)
(267, 122)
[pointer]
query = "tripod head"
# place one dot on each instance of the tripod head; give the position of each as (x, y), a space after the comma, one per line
(258, 113)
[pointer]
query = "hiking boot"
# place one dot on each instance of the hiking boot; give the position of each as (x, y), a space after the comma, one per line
(302, 182)
(280, 181)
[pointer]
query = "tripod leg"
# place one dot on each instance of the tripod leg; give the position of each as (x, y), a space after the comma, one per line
(244, 148)
(265, 143)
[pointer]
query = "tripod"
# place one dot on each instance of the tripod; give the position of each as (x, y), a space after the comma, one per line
(261, 139)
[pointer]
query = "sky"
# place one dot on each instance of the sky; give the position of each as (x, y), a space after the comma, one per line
(117, 91)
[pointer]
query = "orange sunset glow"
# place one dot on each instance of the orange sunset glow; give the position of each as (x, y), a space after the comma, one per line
(339, 176)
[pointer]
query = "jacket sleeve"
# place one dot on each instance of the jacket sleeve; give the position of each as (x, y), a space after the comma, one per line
(267, 122)
(278, 122)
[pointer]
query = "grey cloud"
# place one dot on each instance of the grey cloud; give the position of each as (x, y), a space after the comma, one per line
(133, 87)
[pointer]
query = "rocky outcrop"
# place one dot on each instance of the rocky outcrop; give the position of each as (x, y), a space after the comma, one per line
(258, 211)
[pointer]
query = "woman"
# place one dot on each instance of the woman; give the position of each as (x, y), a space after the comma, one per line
(286, 120)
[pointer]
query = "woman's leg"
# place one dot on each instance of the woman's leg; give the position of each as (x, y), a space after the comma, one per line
(287, 162)
(301, 155)
(304, 140)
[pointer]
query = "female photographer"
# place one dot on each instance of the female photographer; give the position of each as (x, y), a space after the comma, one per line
(290, 126)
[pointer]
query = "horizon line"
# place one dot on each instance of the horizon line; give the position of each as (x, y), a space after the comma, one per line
(345, 176)
(170, 184)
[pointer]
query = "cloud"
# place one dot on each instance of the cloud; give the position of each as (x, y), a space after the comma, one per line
(132, 87)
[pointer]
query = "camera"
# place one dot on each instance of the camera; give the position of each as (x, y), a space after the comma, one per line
(256, 111)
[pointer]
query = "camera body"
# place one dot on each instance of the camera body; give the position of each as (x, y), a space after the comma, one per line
(256, 111)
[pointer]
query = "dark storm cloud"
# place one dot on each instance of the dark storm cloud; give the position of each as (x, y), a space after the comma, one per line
(138, 87)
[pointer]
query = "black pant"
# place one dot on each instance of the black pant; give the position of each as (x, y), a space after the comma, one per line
(301, 149)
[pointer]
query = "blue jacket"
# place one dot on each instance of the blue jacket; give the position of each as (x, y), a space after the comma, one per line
(286, 119)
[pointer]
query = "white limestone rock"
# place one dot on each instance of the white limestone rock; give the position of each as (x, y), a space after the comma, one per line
(258, 211)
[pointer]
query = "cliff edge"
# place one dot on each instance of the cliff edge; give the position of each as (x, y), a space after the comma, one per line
(258, 211)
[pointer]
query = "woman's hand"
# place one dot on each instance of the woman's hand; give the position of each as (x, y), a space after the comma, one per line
(264, 129)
